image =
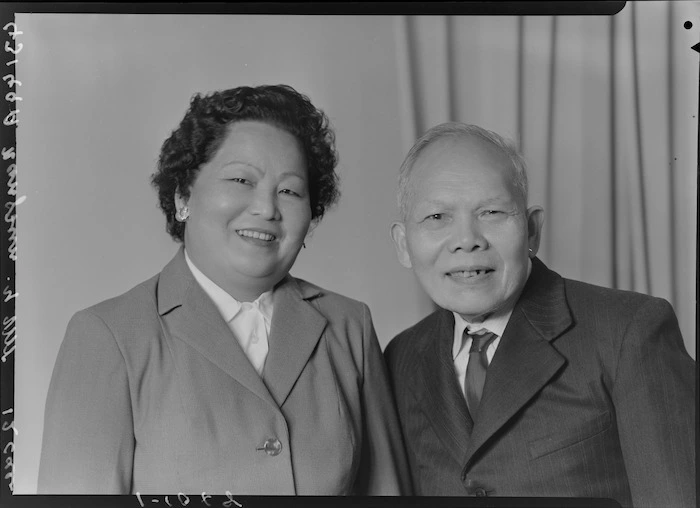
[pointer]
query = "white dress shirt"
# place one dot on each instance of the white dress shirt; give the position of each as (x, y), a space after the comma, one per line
(249, 321)
(495, 323)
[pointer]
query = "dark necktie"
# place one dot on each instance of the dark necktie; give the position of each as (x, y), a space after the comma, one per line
(476, 369)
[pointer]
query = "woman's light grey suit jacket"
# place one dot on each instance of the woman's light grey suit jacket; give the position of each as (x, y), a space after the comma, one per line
(151, 393)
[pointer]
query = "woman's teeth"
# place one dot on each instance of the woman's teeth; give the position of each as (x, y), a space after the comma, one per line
(256, 234)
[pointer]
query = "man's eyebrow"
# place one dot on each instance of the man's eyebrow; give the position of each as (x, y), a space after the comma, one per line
(434, 201)
(429, 203)
(486, 201)
(498, 199)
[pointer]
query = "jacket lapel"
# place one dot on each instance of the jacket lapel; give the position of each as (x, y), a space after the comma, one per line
(443, 401)
(525, 360)
(190, 315)
(295, 330)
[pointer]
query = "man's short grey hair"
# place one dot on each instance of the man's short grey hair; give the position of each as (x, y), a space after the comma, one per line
(454, 130)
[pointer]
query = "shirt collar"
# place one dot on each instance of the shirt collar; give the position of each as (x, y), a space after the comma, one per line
(495, 323)
(228, 306)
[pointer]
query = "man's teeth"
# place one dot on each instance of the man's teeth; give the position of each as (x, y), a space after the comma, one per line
(256, 234)
(469, 273)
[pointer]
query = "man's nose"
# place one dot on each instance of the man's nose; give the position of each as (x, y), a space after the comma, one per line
(467, 235)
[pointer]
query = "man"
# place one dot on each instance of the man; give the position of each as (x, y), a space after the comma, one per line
(570, 389)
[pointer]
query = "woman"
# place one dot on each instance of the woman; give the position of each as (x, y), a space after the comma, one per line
(223, 372)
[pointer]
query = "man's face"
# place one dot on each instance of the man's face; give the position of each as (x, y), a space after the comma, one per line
(467, 231)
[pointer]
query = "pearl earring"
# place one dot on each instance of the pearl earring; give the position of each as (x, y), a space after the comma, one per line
(182, 214)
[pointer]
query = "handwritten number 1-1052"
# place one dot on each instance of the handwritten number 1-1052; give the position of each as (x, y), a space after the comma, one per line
(184, 500)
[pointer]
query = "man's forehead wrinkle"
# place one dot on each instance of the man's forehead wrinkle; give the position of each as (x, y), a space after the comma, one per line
(446, 147)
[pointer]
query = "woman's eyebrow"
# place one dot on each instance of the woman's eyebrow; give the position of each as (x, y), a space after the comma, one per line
(243, 163)
(292, 173)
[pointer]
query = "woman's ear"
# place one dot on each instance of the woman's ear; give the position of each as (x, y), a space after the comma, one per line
(180, 202)
(312, 226)
(182, 212)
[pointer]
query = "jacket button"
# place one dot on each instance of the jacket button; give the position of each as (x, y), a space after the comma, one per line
(271, 446)
(480, 492)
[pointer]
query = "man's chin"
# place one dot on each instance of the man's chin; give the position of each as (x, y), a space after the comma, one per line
(469, 312)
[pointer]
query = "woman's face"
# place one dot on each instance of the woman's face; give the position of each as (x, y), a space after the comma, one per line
(249, 209)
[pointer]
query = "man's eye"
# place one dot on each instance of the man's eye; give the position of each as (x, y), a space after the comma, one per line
(290, 192)
(240, 180)
(492, 212)
(435, 216)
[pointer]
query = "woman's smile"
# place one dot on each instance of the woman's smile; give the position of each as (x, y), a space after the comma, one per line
(256, 236)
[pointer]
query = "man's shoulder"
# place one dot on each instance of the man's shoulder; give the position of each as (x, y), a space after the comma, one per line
(422, 330)
(611, 301)
(611, 314)
(547, 284)
(410, 344)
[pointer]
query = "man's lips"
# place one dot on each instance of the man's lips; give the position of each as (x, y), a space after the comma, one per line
(469, 272)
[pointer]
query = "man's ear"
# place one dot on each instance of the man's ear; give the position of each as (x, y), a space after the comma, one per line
(535, 220)
(398, 235)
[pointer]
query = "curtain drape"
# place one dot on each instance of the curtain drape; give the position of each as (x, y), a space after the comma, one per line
(604, 110)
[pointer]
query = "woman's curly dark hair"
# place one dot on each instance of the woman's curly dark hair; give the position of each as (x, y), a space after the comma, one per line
(204, 127)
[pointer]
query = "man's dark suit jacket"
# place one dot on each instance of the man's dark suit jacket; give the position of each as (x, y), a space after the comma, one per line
(590, 393)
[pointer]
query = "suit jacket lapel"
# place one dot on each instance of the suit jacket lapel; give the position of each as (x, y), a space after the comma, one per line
(295, 330)
(525, 360)
(190, 315)
(443, 400)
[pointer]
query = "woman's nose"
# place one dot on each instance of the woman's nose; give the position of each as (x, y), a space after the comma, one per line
(264, 204)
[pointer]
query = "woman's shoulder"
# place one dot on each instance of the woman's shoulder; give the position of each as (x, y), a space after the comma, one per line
(329, 301)
(349, 321)
(313, 291)
(136, 303)
(114, 325)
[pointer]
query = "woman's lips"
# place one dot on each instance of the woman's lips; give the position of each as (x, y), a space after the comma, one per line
(256, 235)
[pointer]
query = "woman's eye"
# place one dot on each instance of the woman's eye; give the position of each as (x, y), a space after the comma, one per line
(240, 180)
(290, 192)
